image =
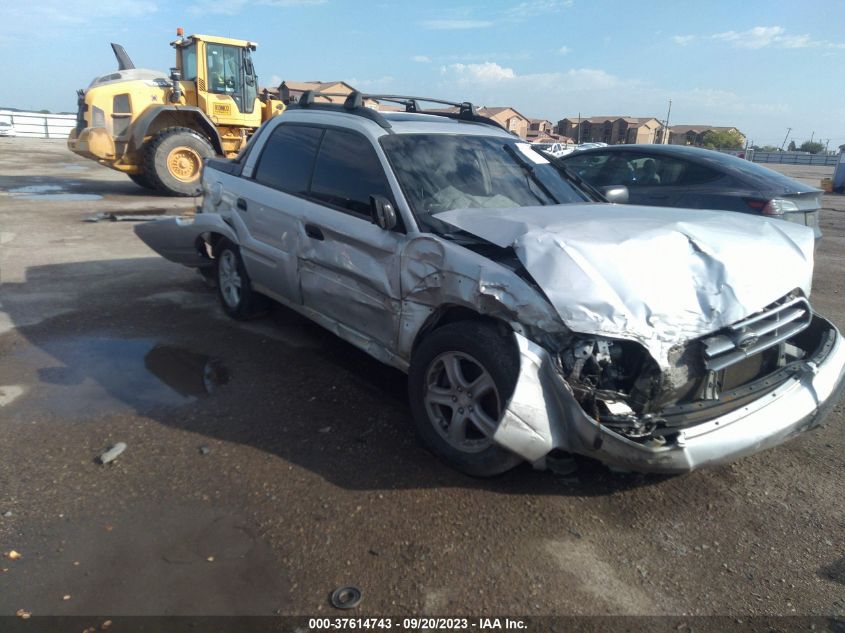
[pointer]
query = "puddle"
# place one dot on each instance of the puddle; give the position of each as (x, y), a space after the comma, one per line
(86, 375)
(50, 192)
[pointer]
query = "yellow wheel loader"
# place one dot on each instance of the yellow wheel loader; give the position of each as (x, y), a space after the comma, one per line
(158, 129)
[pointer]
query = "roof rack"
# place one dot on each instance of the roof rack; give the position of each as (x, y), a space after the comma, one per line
(354, 104)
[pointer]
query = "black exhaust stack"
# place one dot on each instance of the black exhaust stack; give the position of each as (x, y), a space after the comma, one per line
(123, 61)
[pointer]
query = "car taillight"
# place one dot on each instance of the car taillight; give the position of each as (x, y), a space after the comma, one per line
(773, 207)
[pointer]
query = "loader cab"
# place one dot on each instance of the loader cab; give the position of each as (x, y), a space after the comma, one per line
(218, 77)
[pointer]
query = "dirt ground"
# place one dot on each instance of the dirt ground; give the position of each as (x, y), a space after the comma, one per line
(269, 463)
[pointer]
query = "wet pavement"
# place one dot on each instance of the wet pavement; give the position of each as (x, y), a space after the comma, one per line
(268, 463)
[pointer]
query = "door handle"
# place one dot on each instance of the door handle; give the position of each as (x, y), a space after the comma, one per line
(314, 232)
(241, 204)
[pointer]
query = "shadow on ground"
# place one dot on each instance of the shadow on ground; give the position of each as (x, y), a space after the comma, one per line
(143, 340)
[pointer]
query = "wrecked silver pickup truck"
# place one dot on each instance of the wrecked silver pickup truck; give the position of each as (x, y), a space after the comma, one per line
(531, 316)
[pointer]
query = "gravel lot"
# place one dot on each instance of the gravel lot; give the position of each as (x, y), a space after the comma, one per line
(298, 473)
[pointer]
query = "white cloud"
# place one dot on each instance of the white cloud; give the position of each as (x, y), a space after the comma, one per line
(563, 50)
(760, 37)
(683, 40)
(592, 79)
(485, 73)
(490, 74)
(533, 8)
(421, 59)
(372, 84)
(722, 101)
(233, 7)
(76, 11)
(455, 24)
(757, 37)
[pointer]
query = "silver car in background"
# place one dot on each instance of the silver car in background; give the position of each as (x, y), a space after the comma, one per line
(532, 317)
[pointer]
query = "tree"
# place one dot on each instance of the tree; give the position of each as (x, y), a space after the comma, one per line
(727, 139)
(44, 112)
(811, 146)
(765, 148)
(791, 147)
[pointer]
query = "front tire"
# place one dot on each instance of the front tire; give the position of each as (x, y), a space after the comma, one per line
(461, 378)
(173, 161)
(234, 288)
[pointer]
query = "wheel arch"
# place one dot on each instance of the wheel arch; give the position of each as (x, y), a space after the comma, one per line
(454, 312)
(157, 118)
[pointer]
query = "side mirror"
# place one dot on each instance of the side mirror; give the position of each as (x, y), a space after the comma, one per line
(617, 194)
(382, 212)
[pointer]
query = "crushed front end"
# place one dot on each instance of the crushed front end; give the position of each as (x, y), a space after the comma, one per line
(747, 387)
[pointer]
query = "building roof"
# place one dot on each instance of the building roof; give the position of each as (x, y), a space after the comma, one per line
(493, 111)
(698, 129)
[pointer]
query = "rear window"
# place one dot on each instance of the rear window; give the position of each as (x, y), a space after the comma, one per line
(754, 174)
(287, 159)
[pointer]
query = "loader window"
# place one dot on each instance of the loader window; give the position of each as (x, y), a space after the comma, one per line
(224, 71)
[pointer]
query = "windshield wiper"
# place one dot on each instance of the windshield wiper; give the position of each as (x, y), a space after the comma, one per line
(530, 173)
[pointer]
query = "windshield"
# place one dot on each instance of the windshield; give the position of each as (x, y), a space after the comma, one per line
(440, 172)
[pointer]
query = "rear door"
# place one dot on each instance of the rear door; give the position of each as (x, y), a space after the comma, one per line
(661, 180)
(271, 205)
(348, 266)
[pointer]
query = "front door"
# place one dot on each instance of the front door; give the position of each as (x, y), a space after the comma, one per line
(348, 266)
(230, 84)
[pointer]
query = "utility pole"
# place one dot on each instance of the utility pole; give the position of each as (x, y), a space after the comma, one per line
(579, 128)
(812, 135)
(666, 127)
(788, 130)
(826, 143)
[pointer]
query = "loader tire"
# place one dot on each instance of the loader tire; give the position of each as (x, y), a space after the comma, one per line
(142, 181)
(173, 161)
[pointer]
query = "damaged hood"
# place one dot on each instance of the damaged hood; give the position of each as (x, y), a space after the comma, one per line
(657, 275)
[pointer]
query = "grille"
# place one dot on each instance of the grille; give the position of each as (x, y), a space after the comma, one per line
(758, 332)
(201, 84)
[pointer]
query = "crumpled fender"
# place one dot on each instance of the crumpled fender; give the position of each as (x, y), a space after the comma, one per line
(430, 281)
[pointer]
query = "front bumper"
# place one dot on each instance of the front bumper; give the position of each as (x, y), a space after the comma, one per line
(543, 415)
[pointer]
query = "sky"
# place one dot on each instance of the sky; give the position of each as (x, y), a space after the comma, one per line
(762, 67)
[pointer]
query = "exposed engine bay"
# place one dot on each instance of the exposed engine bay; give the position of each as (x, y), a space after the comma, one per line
(621, 387)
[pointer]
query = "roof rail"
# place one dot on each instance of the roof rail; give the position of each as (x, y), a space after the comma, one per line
(355, 100)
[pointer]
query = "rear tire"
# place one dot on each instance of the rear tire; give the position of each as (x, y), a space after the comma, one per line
(461, 378)
(142, 181)
(234, 288)
(173, 161)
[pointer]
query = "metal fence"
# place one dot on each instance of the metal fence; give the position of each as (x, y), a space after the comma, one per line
(794, 158)
(786, 158)
(38, 125)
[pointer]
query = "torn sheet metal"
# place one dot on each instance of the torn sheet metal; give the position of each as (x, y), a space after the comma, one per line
(179, 239)
(655, 275)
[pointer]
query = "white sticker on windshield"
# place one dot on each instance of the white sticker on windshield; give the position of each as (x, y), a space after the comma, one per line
(535, 157)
